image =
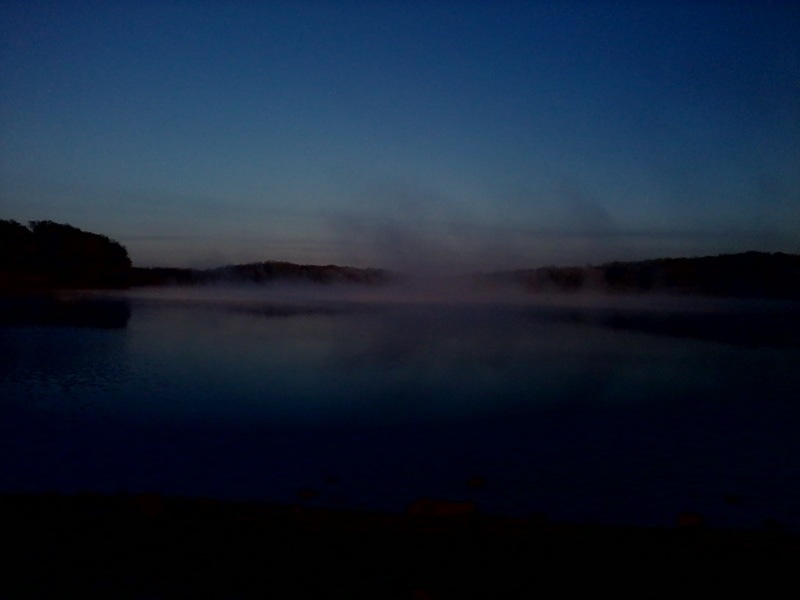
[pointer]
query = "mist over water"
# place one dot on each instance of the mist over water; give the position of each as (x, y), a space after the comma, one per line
(436, 289)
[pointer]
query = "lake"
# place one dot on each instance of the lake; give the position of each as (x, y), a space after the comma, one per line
(628, 411)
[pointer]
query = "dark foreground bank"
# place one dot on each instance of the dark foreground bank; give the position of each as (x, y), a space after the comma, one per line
(150, 546)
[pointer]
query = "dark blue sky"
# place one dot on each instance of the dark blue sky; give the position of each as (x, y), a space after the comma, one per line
(467, 134)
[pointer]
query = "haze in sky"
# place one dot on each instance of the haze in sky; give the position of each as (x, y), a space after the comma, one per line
(467, 135)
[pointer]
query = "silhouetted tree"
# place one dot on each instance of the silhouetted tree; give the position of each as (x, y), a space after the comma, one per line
(16, 247)
(55, 255)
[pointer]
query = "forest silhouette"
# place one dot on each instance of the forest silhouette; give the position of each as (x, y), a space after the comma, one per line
(45, 255)
(48, 255)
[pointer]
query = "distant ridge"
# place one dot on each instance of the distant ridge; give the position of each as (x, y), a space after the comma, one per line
(47, 256)
(745, 275)
(259, 273)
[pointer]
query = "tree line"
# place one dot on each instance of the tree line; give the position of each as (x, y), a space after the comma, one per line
(747, 274)
(48, 255)
(258, 273)
(44, 255)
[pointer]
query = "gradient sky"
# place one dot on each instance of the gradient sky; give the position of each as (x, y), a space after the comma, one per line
(461, 134)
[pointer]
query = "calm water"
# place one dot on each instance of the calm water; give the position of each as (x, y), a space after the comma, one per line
(622, 415)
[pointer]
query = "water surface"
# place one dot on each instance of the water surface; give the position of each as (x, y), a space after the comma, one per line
(612, 414)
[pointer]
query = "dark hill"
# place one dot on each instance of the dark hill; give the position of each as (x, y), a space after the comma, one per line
(744, 275)
(45, 255)
(48, 255)
(259, 273)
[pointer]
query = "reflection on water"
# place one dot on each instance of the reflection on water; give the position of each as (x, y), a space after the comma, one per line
(745, 325)
(581, 414)
(50, 310)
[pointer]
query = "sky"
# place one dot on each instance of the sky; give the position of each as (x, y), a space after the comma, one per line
(462, 135)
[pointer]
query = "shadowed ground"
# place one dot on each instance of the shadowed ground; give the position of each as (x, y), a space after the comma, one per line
(150, 546)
